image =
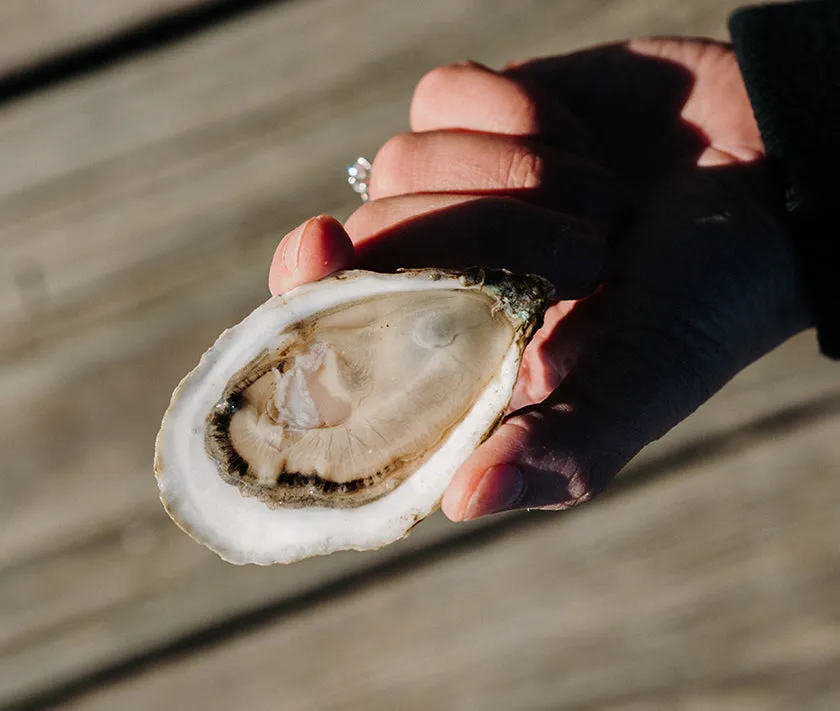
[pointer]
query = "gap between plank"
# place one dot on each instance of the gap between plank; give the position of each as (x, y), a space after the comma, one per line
(125, 44)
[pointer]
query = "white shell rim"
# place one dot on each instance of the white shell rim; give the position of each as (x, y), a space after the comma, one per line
(242, 529)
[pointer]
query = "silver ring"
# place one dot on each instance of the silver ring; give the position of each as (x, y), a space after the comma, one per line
(358, 175)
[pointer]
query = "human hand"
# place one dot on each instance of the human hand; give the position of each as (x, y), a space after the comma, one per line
(700, 278)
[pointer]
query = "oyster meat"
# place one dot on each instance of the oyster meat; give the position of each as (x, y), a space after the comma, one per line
(334, 417)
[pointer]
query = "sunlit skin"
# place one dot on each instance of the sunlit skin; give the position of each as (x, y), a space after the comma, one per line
(632, 176)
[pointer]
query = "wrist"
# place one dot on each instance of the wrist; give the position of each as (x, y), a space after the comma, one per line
(790, 61)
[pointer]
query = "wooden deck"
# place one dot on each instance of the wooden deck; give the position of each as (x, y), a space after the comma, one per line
(153, 152)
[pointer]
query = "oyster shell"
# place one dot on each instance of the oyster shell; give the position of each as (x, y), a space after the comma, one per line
(333, 417)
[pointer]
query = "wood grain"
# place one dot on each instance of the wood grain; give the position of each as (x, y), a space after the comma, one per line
(138, 209)
(33, 31)
(136, 175)
(134, 582)
(712, 589)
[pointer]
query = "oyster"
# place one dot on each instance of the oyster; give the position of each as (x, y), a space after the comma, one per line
(333, 417)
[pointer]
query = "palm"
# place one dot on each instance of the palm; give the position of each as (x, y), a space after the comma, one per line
(690, 295)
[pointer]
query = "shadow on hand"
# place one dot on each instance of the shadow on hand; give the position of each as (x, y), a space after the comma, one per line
(630, 103)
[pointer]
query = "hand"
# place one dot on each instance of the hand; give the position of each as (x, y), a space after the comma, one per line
(521, 165)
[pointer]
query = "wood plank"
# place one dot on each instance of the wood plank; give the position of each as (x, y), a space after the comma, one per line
(174, 152)
(135, 582)
(32, 31)
(714, 588)
(137, 219)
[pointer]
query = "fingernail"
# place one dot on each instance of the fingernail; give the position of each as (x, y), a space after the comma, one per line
(500, 489)
(291, 245)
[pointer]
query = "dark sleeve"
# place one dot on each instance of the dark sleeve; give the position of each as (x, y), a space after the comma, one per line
(789, 56)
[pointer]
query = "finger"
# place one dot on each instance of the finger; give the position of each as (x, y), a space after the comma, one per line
(315, 249)
(450, 161)
(675, 76)
(627, 388)
(483, 163)
(655, 86)
(472, 97)
(457, 231)
(543, 458)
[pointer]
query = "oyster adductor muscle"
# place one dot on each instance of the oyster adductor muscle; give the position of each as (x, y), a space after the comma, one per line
(333, 417)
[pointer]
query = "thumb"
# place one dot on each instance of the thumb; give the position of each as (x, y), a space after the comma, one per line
(311, 251)
(546, 457)
(623, 392)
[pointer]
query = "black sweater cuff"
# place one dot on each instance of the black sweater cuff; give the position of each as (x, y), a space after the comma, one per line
(790, 58)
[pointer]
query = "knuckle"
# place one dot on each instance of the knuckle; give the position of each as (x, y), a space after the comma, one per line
(585, 475)
(435, 85)
(585, 481)
(365, 220)
(523, 112)
(521, 167)
(511, 103)
(392, 169)
(565, 473)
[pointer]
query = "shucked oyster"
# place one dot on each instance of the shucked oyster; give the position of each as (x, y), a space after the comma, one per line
(334, 417)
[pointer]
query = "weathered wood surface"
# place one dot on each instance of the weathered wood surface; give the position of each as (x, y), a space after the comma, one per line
(31, 32)
(715, 588)
(138, 209)
(138, 583)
